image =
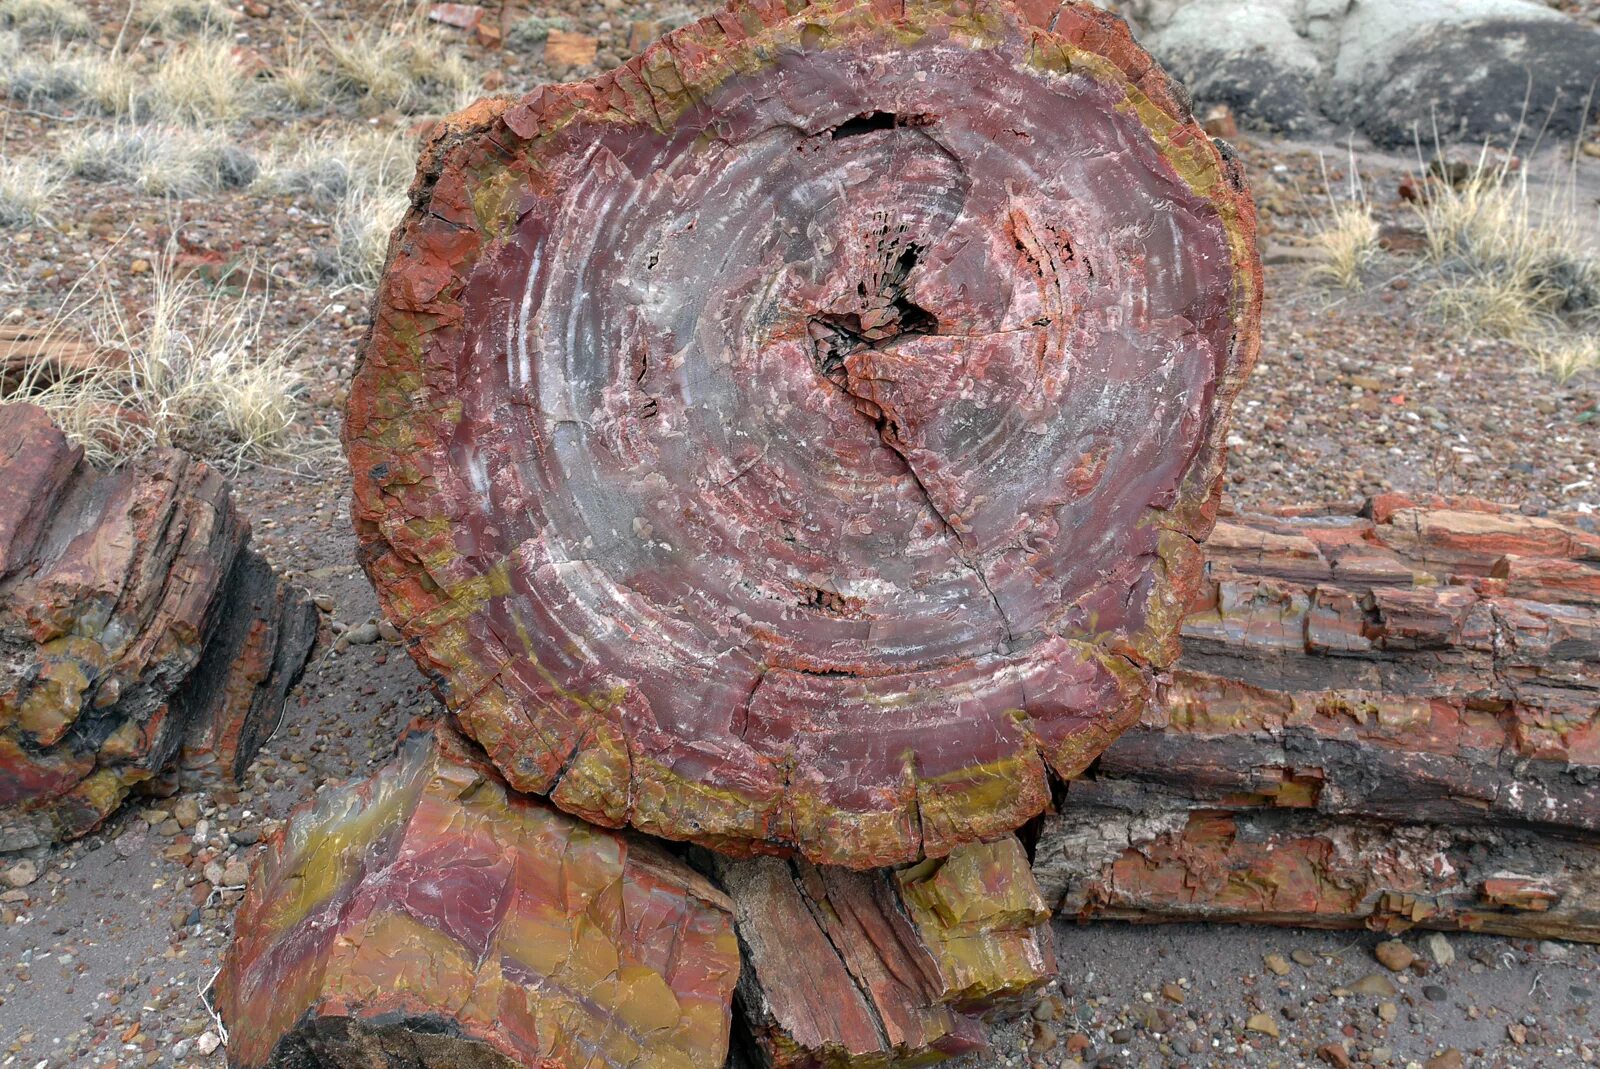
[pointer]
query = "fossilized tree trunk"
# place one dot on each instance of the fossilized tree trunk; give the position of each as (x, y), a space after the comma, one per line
(798, 438)
(430, 916)
(1381, 720)
(135, 627)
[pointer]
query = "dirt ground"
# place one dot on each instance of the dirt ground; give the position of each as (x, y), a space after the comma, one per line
(105, 957)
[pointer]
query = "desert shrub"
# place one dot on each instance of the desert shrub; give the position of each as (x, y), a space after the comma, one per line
(27, 187)
(184, 18)
(191, 369)
(160, 161)
(527, 34)
(36, 19)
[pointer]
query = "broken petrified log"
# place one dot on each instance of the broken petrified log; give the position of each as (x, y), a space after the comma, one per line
(135, 628)
(1131, 852)
(430, 917)
(885, 968)
(798, 439)
(1420, 663)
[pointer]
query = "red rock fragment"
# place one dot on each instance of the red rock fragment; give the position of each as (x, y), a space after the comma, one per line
(797, 438)
(429, 917)
(134, 622)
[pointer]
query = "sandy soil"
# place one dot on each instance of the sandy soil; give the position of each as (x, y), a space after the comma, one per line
(104, 958)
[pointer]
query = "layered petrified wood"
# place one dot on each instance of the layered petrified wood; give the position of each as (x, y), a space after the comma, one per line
(135, 626)
(1129, 851)
(885, 968)
(799, 437)
(429, 917)
(1433, 661)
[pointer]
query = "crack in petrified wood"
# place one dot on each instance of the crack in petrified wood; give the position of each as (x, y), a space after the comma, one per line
(797, 439)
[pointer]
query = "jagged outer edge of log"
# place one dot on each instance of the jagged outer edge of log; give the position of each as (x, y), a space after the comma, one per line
(155, 705)
(1131, 852)
(442, 232)
(1438, 728)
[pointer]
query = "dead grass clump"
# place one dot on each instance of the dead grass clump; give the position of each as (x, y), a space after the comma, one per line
(364, 221)
(36, 81)
(191, 370)
(406, 66)
(200, 83)
(1348, 240)
(159, 161)
(45, 19)
(525, 34)
(301, 82)
(111, 83)
(27, 186)
(329, 168)
(184, 18)
(1563, 356)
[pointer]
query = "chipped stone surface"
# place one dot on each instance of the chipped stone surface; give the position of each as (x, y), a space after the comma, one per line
(430, 917)
(135, 624)
(886, 968)
(1301, 868)
(1428, 661)
(797, 439)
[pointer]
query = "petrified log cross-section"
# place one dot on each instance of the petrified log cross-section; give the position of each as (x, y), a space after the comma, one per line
(431, 917)
(798, 438)
(135, 626)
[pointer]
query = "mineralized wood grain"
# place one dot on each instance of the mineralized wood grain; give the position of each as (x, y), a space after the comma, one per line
(1440, 662)
(798, 438)
(428, 917)
(1129, 852)
(134, 623)
(886, 968)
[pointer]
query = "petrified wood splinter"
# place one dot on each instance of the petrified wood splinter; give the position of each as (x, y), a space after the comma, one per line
(798, 439)
(136, 627)
(429, 917)
(1423, 662)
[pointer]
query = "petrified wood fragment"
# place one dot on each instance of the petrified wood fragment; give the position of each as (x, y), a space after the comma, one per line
(1127, 852)
(798, 438)
(431, 918)
(1418, 663)
(134, 623)
(886, 968)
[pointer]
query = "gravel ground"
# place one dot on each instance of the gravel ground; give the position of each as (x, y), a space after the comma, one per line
(107, 943)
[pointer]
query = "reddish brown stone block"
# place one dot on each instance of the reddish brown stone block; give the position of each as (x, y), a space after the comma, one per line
(429, 917)
(798, 438)
(134, 623)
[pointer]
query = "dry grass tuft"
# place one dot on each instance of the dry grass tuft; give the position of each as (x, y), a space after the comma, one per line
(302, 82)
(405, 66)
(27, 186)
(1563, 356)
(362, 225)
(328, 168)
(184, 18)
(1348, 239)
(42, 19)
(200, 83)
(191, 370)
(159, 161)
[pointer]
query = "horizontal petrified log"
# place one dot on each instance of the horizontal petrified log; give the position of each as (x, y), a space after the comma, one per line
(885, 968)
(428, 917)
(134, 623)
(798, 438)
(1436, 662)
(1129, 851)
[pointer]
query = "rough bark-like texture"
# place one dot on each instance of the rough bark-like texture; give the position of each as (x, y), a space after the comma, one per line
(1439, 662)
(798, 438)
(1124, 851)
(429, 918)
(886, 968)
(133, 622)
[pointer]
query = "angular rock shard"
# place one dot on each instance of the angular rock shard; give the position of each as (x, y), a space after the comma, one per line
(798, 438)
(1145, 858)
(1422, 662)
(429, 917)
(887, 968)
(134, 624)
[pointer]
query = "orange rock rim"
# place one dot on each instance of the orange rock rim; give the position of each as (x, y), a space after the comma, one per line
(798, 439)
